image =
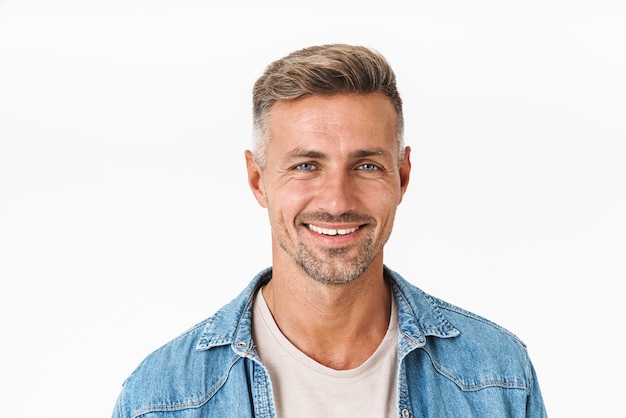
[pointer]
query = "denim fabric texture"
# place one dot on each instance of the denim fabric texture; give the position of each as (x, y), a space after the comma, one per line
(451, 363)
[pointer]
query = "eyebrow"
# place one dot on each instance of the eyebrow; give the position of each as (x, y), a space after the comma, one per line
(304, 153)
(369, 153)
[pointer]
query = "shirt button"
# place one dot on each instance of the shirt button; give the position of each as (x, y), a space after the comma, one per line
(241, 345)
(405, 413)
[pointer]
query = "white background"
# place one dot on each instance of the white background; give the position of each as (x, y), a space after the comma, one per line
(125, 216)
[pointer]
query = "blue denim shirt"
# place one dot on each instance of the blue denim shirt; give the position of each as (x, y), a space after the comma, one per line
(451, 363)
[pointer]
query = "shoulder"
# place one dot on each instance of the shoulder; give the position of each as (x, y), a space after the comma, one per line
(481, 344)
(465, 347)
(180, 351)
(475, 324)
(437, 317)
(172, 376)
(188, 370)
(484, 354)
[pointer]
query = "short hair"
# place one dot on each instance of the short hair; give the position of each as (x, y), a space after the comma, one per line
(322, 70)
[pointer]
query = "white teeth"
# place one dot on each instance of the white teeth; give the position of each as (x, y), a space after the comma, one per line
(327, 231)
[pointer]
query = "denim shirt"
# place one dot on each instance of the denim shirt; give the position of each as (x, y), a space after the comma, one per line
(451, 363)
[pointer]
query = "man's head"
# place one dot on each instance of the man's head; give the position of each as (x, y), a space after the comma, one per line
(322, 70)
(329, 164)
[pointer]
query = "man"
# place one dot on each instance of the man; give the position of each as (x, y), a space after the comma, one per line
(329, 330)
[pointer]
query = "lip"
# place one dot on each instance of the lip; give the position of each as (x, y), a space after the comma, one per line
(333, 229)
(333, 234)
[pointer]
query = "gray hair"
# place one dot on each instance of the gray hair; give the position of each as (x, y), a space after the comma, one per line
(322, 70)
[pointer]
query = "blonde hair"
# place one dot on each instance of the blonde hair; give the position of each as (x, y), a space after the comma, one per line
(322, 70)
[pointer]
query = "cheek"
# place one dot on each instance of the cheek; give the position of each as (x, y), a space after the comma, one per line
(384, 207)
(286, 203)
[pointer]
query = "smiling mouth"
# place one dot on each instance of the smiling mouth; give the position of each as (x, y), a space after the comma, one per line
(328, 231)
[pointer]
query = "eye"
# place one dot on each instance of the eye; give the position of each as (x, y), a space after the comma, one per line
(305, 167)
(368, 167)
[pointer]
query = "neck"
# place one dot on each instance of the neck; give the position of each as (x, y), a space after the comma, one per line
(339, 326)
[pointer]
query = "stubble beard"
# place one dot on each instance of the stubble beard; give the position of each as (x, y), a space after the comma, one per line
(334, 266)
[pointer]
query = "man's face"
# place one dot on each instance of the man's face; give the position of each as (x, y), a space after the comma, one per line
(331, 183)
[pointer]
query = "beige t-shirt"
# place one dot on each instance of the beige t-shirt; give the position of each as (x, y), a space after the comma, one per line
(304, 388)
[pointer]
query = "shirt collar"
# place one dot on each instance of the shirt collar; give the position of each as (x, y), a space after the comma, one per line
(418, 312)
(418, 316)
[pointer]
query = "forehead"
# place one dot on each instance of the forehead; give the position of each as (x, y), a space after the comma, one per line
(333, 121)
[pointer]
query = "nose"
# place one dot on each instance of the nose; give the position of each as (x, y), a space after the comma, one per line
(337, 193)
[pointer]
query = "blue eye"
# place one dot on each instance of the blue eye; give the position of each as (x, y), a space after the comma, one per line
(305, 167)
(368, 167)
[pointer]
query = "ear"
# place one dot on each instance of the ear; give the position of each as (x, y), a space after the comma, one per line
(405, 171)
(255, 179)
